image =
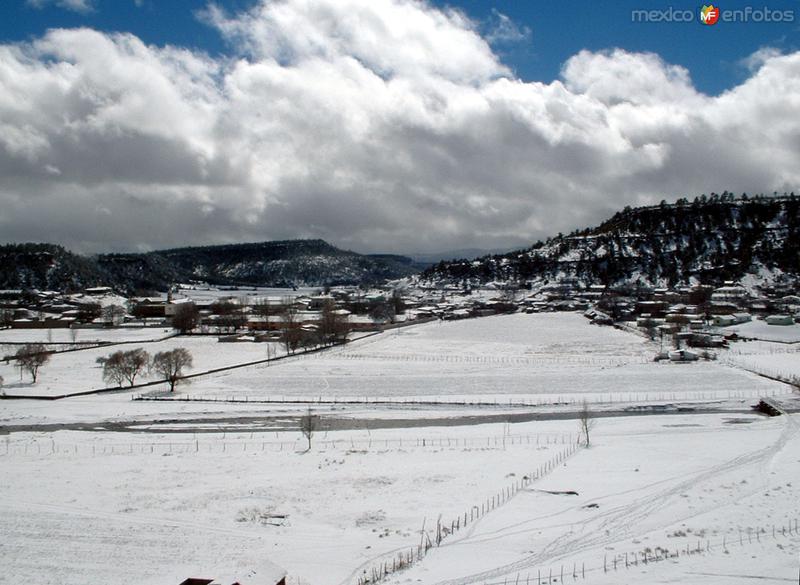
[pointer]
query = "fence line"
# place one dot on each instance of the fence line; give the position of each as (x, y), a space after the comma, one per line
(623, 561)
(501, 401)
(57, 347)
(499, 360)
(118, 389)
(51, 447)
(755, 368)
(386, 565)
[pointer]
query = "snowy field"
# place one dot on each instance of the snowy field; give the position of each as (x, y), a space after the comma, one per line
(359, 498)
(78, 371)
(765, 332)
(154, 489)
(525, 359)
(778, 360)
(703, 499)
(319, 514)
(65, 336)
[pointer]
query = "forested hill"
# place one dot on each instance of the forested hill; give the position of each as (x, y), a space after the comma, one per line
(711, 239)
(279, 263)
(45, 266)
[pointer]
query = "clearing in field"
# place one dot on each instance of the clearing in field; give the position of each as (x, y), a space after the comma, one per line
(519, 359)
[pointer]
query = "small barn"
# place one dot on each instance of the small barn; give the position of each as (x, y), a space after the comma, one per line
(779, 320)
(683, 355)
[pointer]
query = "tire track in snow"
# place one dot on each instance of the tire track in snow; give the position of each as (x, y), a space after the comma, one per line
(128, 518)
(619, 520)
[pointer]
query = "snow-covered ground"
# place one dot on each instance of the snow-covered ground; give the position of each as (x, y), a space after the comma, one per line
(763, 331)
(778, 360)
(331, 514)
(530, 359)
(726, 486)
(81, 336)
(78, 371)
(179, 483)
(154, 515)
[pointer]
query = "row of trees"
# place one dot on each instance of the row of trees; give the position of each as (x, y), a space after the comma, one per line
(118, 368)
(125, 366)
(332, 328)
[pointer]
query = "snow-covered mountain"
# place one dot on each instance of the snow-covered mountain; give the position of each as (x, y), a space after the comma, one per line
(711, 239)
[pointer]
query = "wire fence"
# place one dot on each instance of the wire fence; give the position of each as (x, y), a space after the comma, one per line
(51, 447)
(521, 360)
(788, 532)
(761, 348)
(382, 567)
(788, 375)
(643, 399)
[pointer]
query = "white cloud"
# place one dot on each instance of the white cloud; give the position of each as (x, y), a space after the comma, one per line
(619, 76)
(379, 125)
(81, 6)
(503, 30)
(754, 62)
(389, 37)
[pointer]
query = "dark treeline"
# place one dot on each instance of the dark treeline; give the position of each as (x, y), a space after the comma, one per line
(713, 238)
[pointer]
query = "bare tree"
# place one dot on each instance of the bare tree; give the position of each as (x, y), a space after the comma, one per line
(113, 314)
(586, 422)
(186, 318)
(30, 357)
(309, 423)
(88, 312)
(398, 304)
(382, 312)
(6, 318)
(262, 308)
(333, 324)
(170, 365)
(124, 366)
(139, 311)
(229, 314)
(112, 368)
(292, 331)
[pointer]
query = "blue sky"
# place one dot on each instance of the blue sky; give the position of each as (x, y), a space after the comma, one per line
(557, 30)
(378, 125)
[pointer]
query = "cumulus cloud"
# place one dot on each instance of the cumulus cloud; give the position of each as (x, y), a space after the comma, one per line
(377, 124)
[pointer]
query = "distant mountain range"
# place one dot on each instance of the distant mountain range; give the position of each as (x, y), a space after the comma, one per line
(279, 264)
(710, 239)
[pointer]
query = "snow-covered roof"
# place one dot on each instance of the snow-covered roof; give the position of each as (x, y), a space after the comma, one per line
(181, 301)
(260, 572)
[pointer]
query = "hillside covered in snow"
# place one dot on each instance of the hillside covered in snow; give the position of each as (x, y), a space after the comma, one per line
(711, 239)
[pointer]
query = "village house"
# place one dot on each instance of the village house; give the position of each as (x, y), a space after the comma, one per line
(779, 320)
